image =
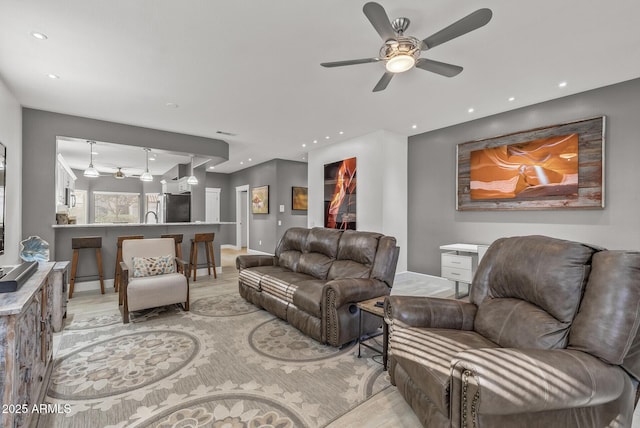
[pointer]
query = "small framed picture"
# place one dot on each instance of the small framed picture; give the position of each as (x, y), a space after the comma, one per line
(299, 200)
(260, 200)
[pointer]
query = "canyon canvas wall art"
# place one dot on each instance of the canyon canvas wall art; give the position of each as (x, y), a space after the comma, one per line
(553, 167)
(340, 194)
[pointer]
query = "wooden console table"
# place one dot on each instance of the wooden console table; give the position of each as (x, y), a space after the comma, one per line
(26, 346)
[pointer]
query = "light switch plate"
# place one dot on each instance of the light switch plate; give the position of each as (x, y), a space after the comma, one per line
(281, 208)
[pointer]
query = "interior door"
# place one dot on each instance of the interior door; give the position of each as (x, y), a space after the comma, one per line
(212, 204)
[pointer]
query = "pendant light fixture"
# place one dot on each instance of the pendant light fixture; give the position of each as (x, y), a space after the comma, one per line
(91, 172)
(192, 180)
(146, 175)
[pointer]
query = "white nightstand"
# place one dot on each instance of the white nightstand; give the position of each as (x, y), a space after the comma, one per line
(459, 262)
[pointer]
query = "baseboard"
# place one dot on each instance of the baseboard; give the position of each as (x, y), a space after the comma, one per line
(229, 247)
(250, 251)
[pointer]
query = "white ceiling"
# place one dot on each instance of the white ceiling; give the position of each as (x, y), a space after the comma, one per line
(252, 67)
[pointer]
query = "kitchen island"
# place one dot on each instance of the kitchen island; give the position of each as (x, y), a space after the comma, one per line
(87, 268)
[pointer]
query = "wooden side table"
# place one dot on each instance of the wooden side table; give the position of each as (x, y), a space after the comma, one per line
(369, 307)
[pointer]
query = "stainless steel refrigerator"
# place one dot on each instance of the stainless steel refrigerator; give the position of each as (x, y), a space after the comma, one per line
(176, 208)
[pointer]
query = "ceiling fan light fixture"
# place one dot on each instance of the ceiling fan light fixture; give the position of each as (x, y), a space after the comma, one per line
(119, 175)
(400, 63)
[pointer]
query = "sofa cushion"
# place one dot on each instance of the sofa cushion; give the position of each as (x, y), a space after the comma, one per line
(323, 241)
(308, 296)
(426, 354)
(360, 247)
(315, 264)
(348, 269)
(294, 238)
(251, 277)
(289, 259)
(282, 284)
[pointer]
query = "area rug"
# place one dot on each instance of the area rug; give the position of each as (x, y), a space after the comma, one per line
(225, 363)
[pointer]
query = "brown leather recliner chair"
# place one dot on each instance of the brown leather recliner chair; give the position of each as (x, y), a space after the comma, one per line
(549, 339)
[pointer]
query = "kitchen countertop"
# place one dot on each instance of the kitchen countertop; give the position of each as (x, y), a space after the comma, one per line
(193, 223)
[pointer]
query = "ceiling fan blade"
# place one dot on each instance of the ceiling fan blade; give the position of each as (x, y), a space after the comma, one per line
(383, 82)
(379, 19)
(471, 22)
(442, 68)
(349, 62)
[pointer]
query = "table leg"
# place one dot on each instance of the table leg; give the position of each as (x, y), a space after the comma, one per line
(359, 331)
(385, 343)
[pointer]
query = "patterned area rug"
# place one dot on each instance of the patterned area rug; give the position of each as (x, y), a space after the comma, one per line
(225, 363)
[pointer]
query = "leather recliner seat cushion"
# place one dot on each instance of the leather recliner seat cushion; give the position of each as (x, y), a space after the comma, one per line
(283, 285)
(253, 277)
(534, 283)
(426, 354)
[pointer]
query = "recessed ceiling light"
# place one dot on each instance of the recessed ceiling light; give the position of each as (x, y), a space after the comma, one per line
(212, 167)
(241, 163)
(315, 141)
(327, 137)
(414, 126)
(171, 105)
(304, 145)
(249, 159)
(562, 84)
(341, 132)
(471, 110)
(512, 98)
(53, 76)
(39, 36)
(303, 158)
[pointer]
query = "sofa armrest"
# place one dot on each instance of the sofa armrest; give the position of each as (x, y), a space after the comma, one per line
(503, 381)
(353, 290)
(252, 260)
(430, 312)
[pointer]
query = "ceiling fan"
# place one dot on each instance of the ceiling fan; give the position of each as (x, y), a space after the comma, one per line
(401, 53)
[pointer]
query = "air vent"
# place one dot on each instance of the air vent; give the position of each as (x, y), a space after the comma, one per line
(230, 134)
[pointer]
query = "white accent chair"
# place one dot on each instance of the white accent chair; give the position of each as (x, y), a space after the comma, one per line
(151, 291)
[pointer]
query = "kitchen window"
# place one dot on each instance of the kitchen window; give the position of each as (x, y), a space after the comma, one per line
(116, 207)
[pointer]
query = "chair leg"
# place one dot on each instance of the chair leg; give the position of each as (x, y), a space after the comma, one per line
(195, 260)
(74, 269)
(213, 259)
(208, 254)
(116, 274)
(99, 261)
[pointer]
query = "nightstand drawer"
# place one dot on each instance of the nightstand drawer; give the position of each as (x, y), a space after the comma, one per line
(457, 274)
(456, 261)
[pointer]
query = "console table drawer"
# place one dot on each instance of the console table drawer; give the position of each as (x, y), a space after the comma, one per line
(456, 261)
(457, 274)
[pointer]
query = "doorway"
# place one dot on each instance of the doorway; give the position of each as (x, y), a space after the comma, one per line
(242, 217)
(212, 204)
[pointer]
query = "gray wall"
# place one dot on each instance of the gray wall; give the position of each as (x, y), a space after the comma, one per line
(289, 174)
(433, 220)
(279, 175)
(39, 132)
(221, 181)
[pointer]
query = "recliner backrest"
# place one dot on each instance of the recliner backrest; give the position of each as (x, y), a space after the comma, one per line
(290, 247)
(319, 252)
(356, 254)
(528, 290)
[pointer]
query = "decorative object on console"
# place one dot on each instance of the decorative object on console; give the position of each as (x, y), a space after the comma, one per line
(34, 248)
(299, 198)
(340, 194)
(559, 166)
(260, 200)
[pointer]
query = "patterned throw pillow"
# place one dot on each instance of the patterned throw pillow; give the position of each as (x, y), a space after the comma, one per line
(150, 266)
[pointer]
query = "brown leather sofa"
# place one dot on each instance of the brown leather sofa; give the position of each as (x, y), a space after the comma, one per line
(548, 339)
(317, 276)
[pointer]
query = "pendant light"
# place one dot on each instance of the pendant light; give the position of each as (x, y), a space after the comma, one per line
(146, 176)
(192, 180)
(91, 172)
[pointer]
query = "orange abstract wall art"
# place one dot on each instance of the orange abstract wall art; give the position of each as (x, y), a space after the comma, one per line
(545, 167)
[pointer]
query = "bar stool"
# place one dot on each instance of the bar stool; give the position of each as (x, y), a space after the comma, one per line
(117, 276)
(78, 244)
(207, 239)
(177, 237)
